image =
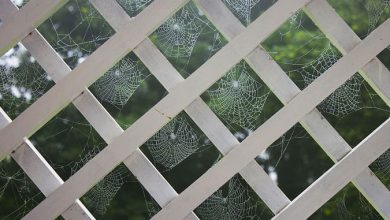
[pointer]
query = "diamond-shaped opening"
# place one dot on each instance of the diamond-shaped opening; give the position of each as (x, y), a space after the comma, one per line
(381, 168)
(181, 152)
(247, 11)
(134, 7)
(348, 203)
(241, 100)
(128, 90)
(22, 80)
(65, 140)
(117, 196)
(234, 200)
(18, 194)
(294, 161)
(188, 39)
(76, 38)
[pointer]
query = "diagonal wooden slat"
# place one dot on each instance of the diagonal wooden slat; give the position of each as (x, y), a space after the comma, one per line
(21, 23)
(167, 108)
(201, 114)
(42, 174)
(95, 113)
(278, 124)
(344, 39)
(285, 89)
(85, 73)
(339, 175)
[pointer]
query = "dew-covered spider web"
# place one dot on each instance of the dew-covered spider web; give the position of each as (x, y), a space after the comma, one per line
(120, 82)
(235, 202)
(242, 8)
(239, 98)
(133, 7)
(78, 36)
(375, 10)
(175, 142)
(188, 39)
(179, 34)
(346, 98)
(100, 196)
(18, 195)
(381, 166)
(22, 80)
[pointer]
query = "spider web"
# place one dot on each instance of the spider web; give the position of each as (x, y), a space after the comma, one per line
(100, 196)
(382, 166)
(242, 8)
(174, 142)
(179, 34)
(120, 82)
(375, 9)
(239, 98)
(77, 37)
(20, 83)
(346, 98)
(133, 7)
(237, 203)
(15, 183)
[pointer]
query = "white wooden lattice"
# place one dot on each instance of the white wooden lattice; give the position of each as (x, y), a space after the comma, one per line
(350, 165)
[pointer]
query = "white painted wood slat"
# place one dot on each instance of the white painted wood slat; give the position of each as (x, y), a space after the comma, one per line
(285, 89)
(42, 174)
(278, 124)
(167, 108)
(344, 39)
(21, 23)
(339, 175)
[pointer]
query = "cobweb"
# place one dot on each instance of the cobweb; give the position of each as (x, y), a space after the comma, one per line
(236, 203)
(120, 82)
(242, 8)
(100, 196)
(238, 98)
(16, 184)
(346, 98)
(375, 9)
(175, 142)
(382, 166)
(77, 37)
(188, 39)
(132, 7)
(179, 34)
(20, 83)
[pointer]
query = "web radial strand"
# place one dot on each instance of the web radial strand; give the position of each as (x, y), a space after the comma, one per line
(120, 82)
(179, 34)
(174, 142)
(242, 8)
(101, 195)
(239, 98)
(347, 98)
(236, 204)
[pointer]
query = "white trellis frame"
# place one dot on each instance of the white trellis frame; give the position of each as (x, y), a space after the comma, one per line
(62, 197)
